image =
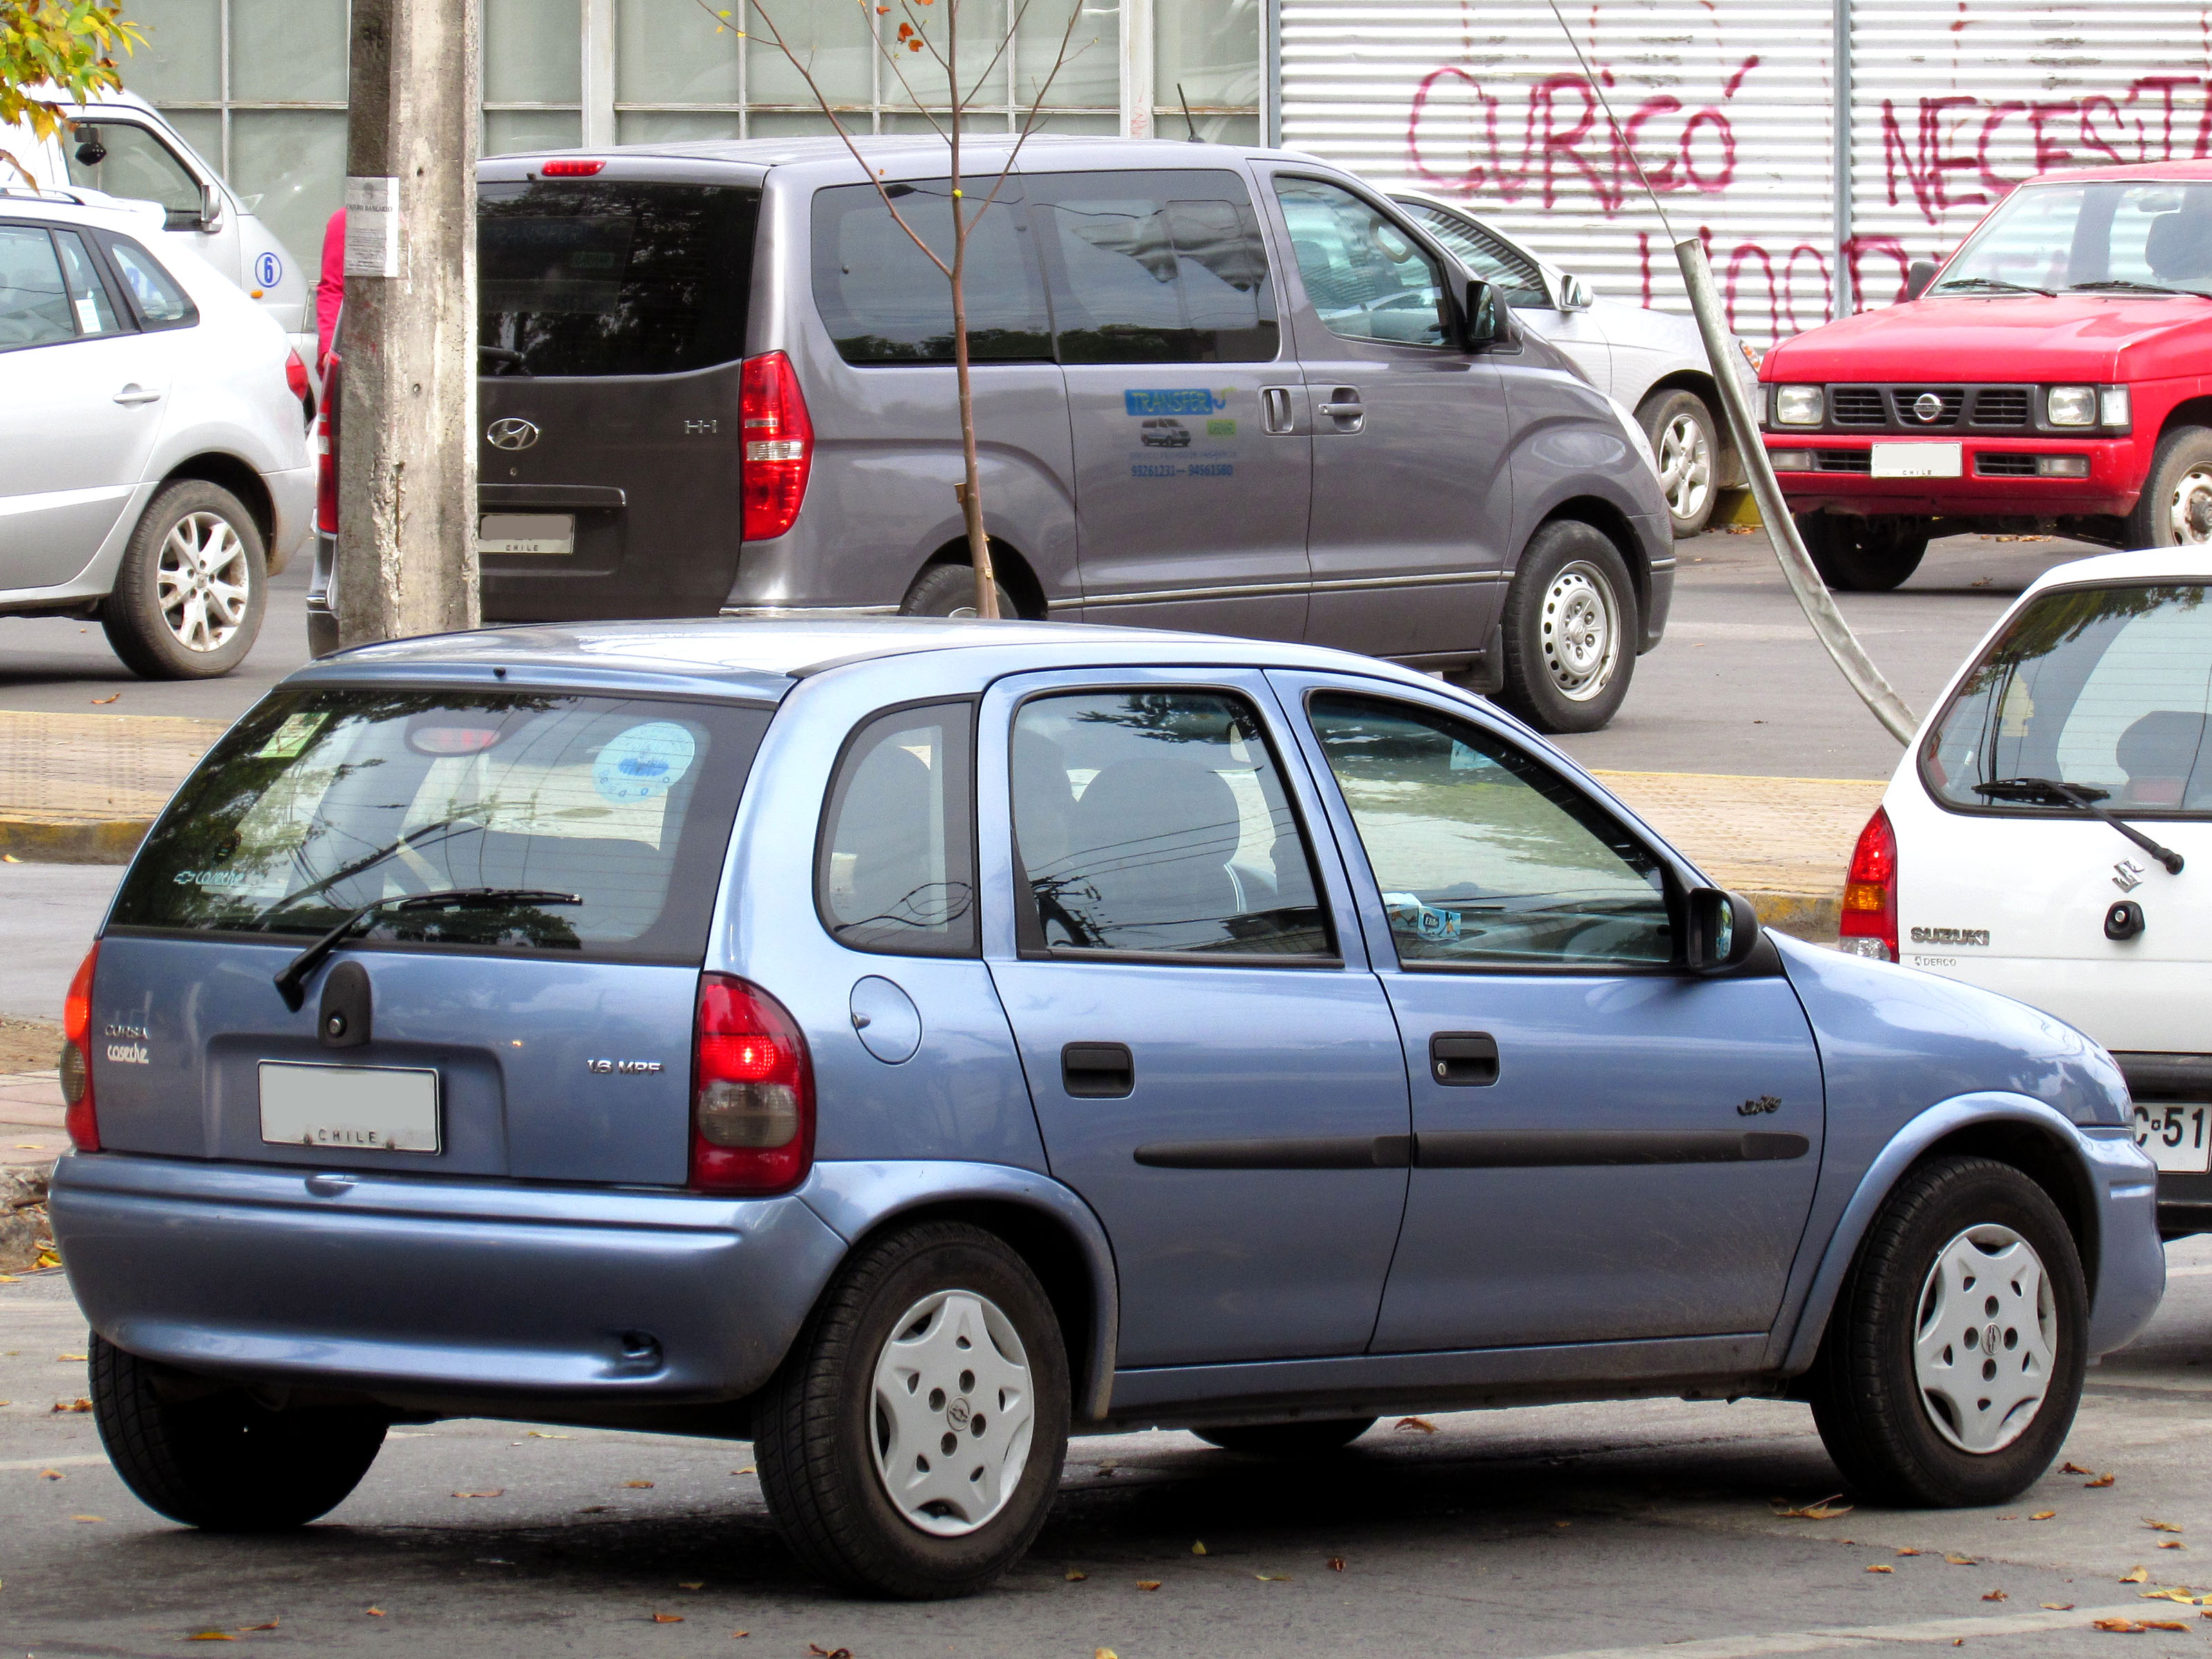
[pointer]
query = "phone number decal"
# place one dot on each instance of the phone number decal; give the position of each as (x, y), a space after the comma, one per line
(1195, 469)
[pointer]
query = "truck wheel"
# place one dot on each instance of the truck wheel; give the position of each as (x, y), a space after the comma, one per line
(911, 1444)
(1288, 1439)
(220, 1461)
(2175, 508)
(188, 596)
(1952, 1364)
(1863, 555)
(1684, 438)
(1570, 628)
(949, 590)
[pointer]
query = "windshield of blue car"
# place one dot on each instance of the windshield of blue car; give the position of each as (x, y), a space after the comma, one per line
(2110, 236)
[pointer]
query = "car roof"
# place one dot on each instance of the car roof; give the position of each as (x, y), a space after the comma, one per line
(980, 152)
(2142, 170)
(2148, 564)
(73, 206)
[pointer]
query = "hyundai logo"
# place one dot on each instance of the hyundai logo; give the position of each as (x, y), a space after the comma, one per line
(1928, 406)
(512, 432)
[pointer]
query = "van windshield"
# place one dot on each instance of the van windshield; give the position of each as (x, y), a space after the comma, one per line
(2106, 689)
(2114, 237)
(592, 277)
(323, 800)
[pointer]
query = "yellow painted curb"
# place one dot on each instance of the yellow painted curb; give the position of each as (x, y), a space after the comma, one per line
(1800, 915)
(84, 841)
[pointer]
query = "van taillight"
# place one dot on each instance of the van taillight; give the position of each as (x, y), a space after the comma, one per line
(778, 440)
(752, 1093)
(1870, 920)
(79, 1118)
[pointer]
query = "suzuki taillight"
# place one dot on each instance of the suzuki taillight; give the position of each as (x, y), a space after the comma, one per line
(752, 1093)
(779, 441)
(296, 377)
(1869, 921)
(81, 1121)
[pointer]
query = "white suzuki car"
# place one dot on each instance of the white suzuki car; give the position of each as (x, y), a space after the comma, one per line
(154, 467)
(2049, 835)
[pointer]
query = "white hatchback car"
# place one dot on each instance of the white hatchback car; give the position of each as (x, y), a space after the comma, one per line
(2049, 835)
(154, 467)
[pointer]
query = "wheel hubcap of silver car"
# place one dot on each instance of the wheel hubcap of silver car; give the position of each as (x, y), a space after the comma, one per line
(1581, 631)
(1984, 1352)
(954, 1412)
(2189, 514)
(203, 581)
(1686, 466)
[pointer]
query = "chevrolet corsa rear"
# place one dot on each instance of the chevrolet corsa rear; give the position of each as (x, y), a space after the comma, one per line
(905, 1043)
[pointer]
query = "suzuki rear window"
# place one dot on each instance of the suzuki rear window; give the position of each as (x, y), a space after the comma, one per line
(324, 801)
(593, 277)
(2105, 689)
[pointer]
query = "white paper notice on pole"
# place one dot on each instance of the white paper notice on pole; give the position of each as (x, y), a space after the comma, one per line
(372, 231)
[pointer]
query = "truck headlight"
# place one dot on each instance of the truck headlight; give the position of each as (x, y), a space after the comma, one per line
(1800, 405)
(2071, 405)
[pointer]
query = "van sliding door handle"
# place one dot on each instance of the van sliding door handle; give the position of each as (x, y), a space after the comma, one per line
(1097, 1071)
(1463, 1059)
(1277, 415)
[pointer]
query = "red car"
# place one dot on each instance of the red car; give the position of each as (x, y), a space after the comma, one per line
(2053, 374)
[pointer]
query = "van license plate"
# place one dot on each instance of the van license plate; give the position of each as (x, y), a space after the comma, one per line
(380, 1109)
(534, 533)
(2177, 1138)
(1919, 460)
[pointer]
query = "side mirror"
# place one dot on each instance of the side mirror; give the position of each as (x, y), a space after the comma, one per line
(1574, 294)
(1918, 277)
(1722, 930)
(1484, 313)
(206, 218)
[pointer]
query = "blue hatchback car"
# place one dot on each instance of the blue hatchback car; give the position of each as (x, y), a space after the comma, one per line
(904, 1043)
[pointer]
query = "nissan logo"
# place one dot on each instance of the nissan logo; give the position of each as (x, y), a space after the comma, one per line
(1928, 406)
(512, 432)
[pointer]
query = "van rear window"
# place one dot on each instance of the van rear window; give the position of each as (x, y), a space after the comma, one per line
(597, 277)
(322, 801)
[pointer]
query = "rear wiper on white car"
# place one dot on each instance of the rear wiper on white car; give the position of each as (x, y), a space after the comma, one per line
(2123, 285)
(1994, 285)
(289, 983)
(2083, 799)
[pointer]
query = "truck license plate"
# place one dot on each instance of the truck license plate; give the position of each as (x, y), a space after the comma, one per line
(2177, 1138)
(370, 1108)
(1919, 460)
(534, 533)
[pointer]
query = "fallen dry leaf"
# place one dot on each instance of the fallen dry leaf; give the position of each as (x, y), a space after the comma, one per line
(2128, 1626)
(1148, 1584)
(271, 1624)
(2101, 1480)
(2180, 1596)
(1076, 1574)
(2173, 1544)
(2043, 1514)
(748, 1470)
(72, 1405)
(1911, 1552)
(210, 1636)
(88, 1517)
(1273, 1578)
(2073, 1468)
(2164, 1624)
(2160, 1526)
(672, 1619)
(1879, 1568)
(700, 1584)
(637, 1486)
(540, 1434)
(375, 1612)
(1336, 1564)
(1419, 1423)
(2137, 1576)
(1199, 1548)
(829, 1653)
(51, 1474)
(1104, 1653)
(9, 858)
(1960, 1560)
(1824, 1509)
(96, 702)
(489, 1491)
(2056, 1606)
(60, 1358)
(1996, 1595)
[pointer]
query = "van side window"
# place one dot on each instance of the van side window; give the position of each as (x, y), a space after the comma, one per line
(1162, 267)
(884, 303)
(34, 308)
(1364, 278)
(129, 161)
(895, 869)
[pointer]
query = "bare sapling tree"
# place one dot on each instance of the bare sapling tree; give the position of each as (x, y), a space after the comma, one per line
(914, 39)
(55, 54)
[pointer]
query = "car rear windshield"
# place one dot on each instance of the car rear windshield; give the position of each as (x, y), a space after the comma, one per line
(325, 801)
(595, 277)
(2106, 689)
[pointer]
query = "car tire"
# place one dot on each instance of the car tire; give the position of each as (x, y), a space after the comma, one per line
(949, 590)
(2175, 508)
(1570, 630)
(219, 1459)
(189, 595)
(1315, 1439)
(1863, 555)
(1686, 440)
(1896, 1386)
(852, 1436)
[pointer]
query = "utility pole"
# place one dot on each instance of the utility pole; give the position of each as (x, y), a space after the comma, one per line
(407, 472)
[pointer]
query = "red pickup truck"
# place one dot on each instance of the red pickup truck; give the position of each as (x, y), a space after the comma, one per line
(2054, 375)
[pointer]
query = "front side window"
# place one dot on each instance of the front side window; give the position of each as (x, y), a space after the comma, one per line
(884, 303)
(124, 158)
(1158, 821)
(34, 303)
(2110, 237)
(1495, 261)
(161, 302)
(895, 869)
(1364, 275)
(1485, 857)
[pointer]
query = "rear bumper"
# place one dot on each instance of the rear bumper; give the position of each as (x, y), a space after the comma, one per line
(422, 1293)
(2114, 480)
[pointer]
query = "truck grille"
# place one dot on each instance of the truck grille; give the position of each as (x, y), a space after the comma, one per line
(2000, 405)
(1857, 405)
(1895, 408)
(1909, 400)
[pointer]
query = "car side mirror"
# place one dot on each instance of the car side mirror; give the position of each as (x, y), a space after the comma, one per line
(1722, 930)
(1574, 294)
(1917, 276)
(1483, 315)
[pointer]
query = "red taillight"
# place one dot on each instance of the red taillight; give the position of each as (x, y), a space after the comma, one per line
(79, 1117)
(296, 377)
(326, 450)
(1869, 917)
(779, 441)
(570, 169)
(752, 1093)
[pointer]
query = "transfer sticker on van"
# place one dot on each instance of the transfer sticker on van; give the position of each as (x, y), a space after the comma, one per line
(644, 762)
(1173, 400)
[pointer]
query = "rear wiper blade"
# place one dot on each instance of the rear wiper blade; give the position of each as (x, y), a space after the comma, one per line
(506, 360)
(1995, 285)
(2084, 799)
(400, 844)
(2123, 285)
(291, 981)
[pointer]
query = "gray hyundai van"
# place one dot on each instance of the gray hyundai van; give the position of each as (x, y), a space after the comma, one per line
(1216, 388)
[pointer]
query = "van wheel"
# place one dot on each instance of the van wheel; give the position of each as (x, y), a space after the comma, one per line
(188, 596)
(1952, 1365)
(1288, 1439)
(949, 590)
(911, 1444)
(2175, 508)
(1683, 438)
(220, 1461)
(1863, 555)
(1570, 628)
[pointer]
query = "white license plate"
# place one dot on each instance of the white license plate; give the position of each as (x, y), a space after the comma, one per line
(2177, 1138)
(530, 532)
(1919, 460)
(383, 1108)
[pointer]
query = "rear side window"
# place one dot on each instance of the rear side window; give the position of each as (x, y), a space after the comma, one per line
(324, 800)
(34, 308)
(87, 295)
(595, 277)
(884, 302)
(161, 302)
(896, 868)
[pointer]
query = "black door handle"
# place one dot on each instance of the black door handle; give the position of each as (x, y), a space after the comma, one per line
(1463, 1057)
(1097, 1071)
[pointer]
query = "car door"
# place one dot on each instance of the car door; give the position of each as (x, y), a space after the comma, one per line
(1581, 334)
(1412, 498)
(1605, 1148)
(1214, 1068)
(1193, 443)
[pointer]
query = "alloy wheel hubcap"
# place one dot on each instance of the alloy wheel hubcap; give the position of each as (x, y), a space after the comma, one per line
(203, 581)
(1581, 631)
(2189, 514)
(1984, 1352)
(954, 1412)
(1686, 466)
